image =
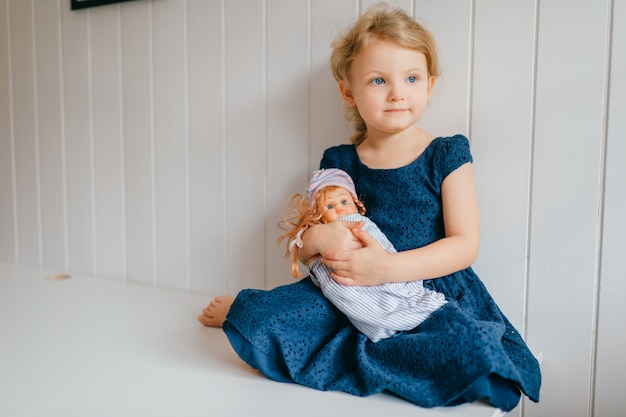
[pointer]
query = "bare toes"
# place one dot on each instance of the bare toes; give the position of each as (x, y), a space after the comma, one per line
(215, 313)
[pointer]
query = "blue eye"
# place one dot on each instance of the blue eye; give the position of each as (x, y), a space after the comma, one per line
(329, 207)
(378, 81)
(344, 202)
(412, 79)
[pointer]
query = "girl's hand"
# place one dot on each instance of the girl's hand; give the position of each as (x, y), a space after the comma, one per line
(364, 267)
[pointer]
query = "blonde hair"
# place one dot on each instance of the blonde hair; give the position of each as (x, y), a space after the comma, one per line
(379, 23)
(299, 216)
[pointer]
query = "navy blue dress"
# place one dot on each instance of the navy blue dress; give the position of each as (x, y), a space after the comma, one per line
(466, 350)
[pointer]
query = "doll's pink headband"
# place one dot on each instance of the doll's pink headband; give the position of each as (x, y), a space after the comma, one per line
(326, 177)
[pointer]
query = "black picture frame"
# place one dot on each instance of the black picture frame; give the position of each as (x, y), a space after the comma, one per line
(83, 4)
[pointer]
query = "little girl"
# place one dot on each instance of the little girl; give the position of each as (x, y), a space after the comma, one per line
(419, 189)
(378, 311)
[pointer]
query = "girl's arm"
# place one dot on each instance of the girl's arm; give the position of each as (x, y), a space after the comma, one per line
(333, 236)
(372, 265)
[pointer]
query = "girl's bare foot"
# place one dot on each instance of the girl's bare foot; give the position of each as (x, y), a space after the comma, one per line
(215, 313)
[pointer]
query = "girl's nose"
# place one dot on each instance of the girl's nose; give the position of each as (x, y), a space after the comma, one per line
(395, 93)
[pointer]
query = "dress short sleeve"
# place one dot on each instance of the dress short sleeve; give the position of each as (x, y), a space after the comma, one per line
(342, 156)
(450, 154)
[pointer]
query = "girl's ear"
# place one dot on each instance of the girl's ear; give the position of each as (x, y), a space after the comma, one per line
(431, 84)
(346, 93)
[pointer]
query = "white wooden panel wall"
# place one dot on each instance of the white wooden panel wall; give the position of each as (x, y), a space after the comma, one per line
(78, 138)
(246, 149)
(158, 142)
(568, 140)
(326, 119)
(288, 96)
(24, 114)
(7, 189)
(206, 145)
(138, 132)
(501, 133)
(611, 332)
(51, 138)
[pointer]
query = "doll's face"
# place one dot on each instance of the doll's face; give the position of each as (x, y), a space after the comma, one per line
(337, 203)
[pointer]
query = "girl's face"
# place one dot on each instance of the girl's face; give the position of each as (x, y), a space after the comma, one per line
(390, 86)
(337, 203)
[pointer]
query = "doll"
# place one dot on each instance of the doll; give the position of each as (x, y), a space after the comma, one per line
(378, 311)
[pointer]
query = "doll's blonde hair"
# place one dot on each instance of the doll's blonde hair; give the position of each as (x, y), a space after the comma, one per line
(299, 216)
(379, 23)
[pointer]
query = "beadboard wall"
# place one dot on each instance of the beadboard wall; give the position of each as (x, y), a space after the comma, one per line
(157, 141)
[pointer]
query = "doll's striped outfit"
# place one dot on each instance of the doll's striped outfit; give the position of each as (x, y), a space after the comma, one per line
(378, 311)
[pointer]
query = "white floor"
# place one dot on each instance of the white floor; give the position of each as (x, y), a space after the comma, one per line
(90, 347)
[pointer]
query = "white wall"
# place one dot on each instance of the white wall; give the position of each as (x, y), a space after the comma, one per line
(157, 141)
